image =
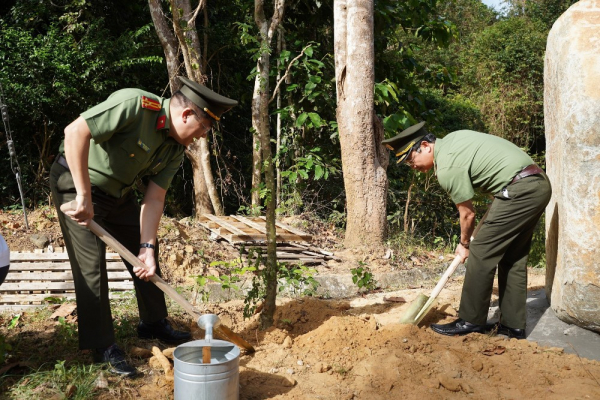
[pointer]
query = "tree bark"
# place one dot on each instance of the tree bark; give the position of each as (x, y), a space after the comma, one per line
(364, 159)
(260, 123)
(174, 40)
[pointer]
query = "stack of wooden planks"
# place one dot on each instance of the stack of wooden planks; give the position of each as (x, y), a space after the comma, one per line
(35, 278)
(246, 233)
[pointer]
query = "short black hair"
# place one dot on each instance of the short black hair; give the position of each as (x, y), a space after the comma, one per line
(430, 138)
(183, 101)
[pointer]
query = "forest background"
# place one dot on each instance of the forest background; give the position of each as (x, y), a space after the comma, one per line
(456, 64)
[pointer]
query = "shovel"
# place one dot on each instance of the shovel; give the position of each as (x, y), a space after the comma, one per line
(422, 304)
(220, 330)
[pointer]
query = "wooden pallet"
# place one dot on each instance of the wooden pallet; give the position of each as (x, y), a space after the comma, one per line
(244, 233)
(290, 253)
(237, 229)
(35, 277)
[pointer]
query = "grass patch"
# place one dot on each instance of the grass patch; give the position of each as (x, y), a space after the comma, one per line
(61, 382)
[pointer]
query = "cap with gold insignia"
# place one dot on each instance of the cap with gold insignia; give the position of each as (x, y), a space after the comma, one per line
(212, 103)
(402, 143)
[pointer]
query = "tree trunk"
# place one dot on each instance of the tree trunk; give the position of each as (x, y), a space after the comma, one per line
(278, 145)
(260, 123)
(206, 198)
(364, 159)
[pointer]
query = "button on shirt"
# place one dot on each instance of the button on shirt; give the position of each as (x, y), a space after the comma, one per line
(466, 160)
(130, 140)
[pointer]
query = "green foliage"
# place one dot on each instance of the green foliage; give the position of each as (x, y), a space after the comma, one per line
(297, 280)
(54, 63)
(363, 278)
(14, 321)
(74, 382)
(65, 330)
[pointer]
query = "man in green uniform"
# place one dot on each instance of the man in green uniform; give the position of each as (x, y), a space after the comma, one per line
(132, 135)
(464, 161)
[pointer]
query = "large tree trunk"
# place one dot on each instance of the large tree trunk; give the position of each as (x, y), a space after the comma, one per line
(364, 159)
(260, 123)
(175, 39)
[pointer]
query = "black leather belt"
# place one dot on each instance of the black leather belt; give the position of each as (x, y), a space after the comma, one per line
(61, 160)
(530, 170)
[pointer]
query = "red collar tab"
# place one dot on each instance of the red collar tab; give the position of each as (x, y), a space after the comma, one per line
(161, 121)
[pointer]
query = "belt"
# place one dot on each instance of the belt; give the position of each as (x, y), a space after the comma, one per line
(532, 169)
(61, 160)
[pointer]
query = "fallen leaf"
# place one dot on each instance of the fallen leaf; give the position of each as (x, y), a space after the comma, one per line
(497, 350)
(64, 310)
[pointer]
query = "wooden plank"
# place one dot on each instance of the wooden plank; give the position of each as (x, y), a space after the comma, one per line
(50, 266)
(251, 223)
(19, 307)
(56, 286)
(291, 229)
(226, 225)
(14, 256)
(281, 238)
(30, 298)
(59, 276)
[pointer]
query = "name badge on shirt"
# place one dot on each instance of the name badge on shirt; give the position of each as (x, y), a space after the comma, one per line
(143, 145)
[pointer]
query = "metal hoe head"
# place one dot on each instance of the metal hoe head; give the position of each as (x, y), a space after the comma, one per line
(208, 322)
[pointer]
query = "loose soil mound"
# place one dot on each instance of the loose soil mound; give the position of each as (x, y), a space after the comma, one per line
(317, 349)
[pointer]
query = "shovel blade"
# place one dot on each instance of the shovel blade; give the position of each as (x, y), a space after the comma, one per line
(410, 315)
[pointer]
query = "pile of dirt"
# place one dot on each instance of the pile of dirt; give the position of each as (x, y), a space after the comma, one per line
(319, 348)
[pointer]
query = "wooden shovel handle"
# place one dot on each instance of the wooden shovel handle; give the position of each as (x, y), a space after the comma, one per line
(157, 280)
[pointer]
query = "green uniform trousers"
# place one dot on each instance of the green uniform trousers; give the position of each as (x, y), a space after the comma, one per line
(87, 255)
(504, 241)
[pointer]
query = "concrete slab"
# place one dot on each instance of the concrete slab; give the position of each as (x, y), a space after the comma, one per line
(546, 329)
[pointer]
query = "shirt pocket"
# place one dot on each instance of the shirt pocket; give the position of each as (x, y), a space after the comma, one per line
(134, 153)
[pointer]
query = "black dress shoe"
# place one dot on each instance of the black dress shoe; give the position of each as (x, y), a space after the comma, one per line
(161, 330)
(511, 332)
(458, 327)
(115, 358)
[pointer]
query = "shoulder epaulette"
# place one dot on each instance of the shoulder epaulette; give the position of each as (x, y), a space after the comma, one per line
(150, 104)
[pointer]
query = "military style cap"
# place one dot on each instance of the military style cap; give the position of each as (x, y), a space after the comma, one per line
(402, 143)
(212, 103)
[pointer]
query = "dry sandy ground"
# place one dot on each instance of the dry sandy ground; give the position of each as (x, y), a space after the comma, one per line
(355, 349)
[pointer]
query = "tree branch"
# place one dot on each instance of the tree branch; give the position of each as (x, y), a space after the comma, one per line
(201, 6)
(287, 71)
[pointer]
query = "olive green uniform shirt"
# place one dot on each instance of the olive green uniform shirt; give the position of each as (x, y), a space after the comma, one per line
(467, 160)
(130, 140)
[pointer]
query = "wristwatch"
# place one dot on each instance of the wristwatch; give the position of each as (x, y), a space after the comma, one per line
(146, 245)
(465, 245)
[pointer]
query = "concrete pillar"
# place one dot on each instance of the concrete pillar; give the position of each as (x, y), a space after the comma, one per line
(572, 122)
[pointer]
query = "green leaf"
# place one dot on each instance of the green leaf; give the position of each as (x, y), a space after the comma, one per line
(303, 174)
(316, 119)
(318, 172)
(301, 119)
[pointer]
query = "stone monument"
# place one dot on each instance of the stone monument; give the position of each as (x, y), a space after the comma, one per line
(572, 123)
